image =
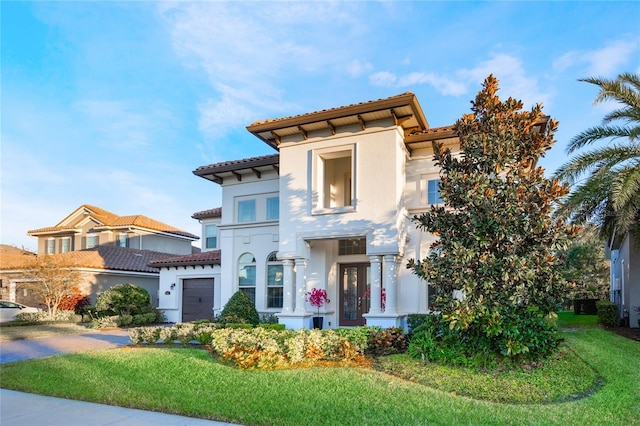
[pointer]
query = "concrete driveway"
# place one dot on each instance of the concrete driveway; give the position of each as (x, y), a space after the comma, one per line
(19, 350)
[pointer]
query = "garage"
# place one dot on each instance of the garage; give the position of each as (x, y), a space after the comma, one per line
(197, 299)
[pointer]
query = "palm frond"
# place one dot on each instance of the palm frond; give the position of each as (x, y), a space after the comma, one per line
(594, 134)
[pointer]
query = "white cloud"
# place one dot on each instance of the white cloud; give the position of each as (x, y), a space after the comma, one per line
(383, 79)
(446, 86)
(603, 62)
(357, 68)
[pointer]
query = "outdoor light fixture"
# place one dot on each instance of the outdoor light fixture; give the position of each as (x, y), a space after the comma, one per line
(173, 286)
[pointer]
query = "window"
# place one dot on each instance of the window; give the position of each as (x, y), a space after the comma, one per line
(65, 245)
(433, 192)
(92, 241)
(247, 211)
(352, 246)
(122, 240)
(51, 246)
(335, 179)
(211, 236)
(247, 275)
(274, 282)
(273, 208)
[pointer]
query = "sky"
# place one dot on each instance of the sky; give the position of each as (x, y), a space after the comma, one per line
(114, 104)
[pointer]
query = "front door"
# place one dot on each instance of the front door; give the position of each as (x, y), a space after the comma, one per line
(355, 279)
(197, 299)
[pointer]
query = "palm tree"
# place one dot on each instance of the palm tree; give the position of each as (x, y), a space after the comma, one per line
(610, 194)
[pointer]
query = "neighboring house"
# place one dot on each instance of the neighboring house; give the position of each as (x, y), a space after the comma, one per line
(331, 210)
(10, 258)
(625, 278)
(106, 248)
(89, 226)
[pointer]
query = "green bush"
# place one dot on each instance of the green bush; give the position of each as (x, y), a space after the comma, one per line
(239, 309)
(608, 313)
(272, 326)
(416, 320)
(123, 299)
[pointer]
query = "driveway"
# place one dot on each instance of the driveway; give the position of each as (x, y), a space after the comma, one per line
(19, 350)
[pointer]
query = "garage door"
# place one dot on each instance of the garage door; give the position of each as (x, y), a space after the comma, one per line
(197, 299)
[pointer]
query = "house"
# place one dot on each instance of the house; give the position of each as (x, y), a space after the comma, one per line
(625, 278)
(330, 210)
(106, 248)
(90, 226)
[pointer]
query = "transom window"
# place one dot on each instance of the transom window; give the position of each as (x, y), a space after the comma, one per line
(247, 275)
(274, 281)
(352, 246)
(247, 211)
(211, 236)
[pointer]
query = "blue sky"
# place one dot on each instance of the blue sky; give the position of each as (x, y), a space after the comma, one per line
(116, 103)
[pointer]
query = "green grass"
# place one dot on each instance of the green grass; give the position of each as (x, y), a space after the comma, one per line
(567, 319)
(189, 382)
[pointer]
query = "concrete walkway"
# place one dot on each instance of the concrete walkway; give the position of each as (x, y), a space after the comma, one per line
(25, 409)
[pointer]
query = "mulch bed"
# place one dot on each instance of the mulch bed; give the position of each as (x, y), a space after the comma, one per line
(630, 333)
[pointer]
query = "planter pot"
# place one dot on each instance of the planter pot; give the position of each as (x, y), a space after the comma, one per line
(317, 322)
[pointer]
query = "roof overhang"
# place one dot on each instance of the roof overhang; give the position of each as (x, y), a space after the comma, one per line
(235, 170)
(403, 109)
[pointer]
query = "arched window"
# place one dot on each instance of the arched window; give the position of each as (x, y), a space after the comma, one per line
(247, 275)
(274, 281)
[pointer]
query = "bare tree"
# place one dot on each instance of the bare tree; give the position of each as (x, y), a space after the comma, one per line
(52, 279)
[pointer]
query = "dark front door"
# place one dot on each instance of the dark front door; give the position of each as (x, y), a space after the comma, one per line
(197, 299)
(355, 279)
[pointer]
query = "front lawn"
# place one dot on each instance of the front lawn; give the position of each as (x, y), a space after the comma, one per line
(190, 382)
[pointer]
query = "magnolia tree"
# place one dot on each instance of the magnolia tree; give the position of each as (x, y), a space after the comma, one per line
(495, 263)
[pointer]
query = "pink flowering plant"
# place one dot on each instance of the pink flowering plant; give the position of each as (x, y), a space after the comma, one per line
(383, 296)
(317, 297)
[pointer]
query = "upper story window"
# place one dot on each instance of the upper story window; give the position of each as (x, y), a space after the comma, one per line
(65, 245)
(122, 240)
(274, 281)
(211, 236)
(352, 246)
(433, 192)
(92, 241)
(273, 208)
(51, 246)
(335, 183)
(246, 211)
(247, 275)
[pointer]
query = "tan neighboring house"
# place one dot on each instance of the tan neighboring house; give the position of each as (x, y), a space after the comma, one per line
(106, 248)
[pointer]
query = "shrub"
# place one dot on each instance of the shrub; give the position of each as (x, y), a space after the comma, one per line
(387, 341)
(272, 326)
(123, 299)
(268, 318)
(168, 335)
(416, 320)
(608, 313)
(75, 302)
(43, 316)
(239, 309)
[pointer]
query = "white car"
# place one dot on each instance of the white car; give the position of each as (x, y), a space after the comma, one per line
(9, 310)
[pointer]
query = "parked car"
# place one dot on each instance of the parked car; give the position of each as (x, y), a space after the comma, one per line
(9, 310)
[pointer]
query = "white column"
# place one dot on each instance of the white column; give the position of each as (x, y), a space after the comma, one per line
(390, 281)
(301, 285)
(376, 285)
(287, 285)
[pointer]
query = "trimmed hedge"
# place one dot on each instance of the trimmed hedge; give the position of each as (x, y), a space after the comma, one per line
(239, 309)
(608, 314)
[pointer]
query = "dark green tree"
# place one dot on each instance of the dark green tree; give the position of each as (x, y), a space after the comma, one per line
(124, 299)
(239, 309)
(495, 265)
(610, 194)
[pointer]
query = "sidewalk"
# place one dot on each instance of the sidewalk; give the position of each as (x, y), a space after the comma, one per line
(25, 409)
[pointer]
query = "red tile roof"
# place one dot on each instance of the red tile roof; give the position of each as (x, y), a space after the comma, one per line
(110, 258)
(211, 257)
(108, 220)
(206, 214)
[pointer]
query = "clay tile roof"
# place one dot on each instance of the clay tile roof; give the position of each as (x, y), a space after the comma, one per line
(108, 220)
(245, 163)
(211, 257)
(13, 257)
(206, 214)
(111, 258)
(275, 120)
